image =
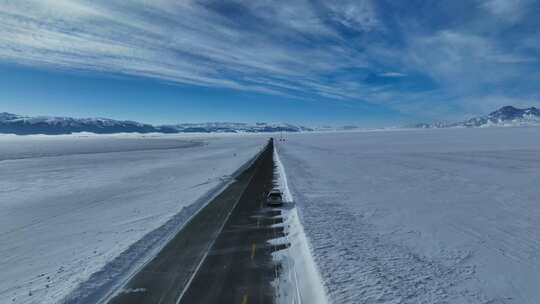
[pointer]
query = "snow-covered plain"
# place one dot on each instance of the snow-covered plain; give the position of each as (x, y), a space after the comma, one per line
(70, 205)
(421, 216)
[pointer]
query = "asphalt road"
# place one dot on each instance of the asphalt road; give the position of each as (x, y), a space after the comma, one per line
(222, 255)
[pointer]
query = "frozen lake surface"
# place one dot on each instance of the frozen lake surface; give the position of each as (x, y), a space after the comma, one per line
(69, 205)
(421, 216)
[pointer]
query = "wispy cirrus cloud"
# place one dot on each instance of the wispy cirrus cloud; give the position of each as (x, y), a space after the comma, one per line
(304, 49)
(393, 74)
(204, 43)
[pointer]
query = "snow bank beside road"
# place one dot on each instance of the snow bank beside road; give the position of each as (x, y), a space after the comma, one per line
(64, 216)
(421, 216)
(299, 281)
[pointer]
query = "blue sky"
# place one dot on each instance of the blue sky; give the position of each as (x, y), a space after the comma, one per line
(363, 62)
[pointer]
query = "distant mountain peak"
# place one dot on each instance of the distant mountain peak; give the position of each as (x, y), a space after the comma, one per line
(511, 113)
(504, 116)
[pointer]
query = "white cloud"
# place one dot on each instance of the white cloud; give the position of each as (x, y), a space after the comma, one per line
(510, 10)
(464, 61)
(355, 14)
(183, 42)
(393, 75)
(177, 41)
(285, 49)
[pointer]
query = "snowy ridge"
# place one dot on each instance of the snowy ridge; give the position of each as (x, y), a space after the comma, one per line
(236, 127)
(26, 125)
(300, 280)
(506, 116)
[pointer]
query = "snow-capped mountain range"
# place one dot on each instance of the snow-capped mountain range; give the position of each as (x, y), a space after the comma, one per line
(503, 117)
(50, 125)
(237, 127)
(25, 125)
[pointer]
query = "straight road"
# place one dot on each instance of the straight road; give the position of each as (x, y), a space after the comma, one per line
(222, 255)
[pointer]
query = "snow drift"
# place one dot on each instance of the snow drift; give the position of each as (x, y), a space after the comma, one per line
(299, 281)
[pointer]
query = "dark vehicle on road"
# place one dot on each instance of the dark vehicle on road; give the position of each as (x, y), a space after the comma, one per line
(274, 198)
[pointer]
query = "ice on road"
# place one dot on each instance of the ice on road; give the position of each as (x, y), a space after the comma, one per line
(421, 216)
(69, 205)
